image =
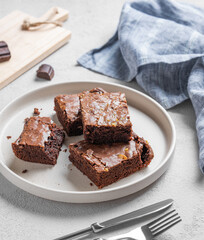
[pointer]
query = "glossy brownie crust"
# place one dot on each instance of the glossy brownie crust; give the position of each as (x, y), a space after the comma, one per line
(105, 118)
(40, 141)
(106, 164)
(68, 111)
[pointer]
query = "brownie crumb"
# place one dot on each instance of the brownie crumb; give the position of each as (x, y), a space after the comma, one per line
(24, 171)
(8, 137)
(36, 111)
(65, 150)
(91, 184)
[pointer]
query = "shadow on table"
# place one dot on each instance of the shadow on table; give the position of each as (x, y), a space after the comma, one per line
(186, 110)
(31, 203)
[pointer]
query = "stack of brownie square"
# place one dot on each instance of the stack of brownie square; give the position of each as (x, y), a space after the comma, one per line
(110, 151)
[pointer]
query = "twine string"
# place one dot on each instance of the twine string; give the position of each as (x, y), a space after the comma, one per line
(27, 24)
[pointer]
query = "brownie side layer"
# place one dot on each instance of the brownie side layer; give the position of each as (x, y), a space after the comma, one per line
(105, 118)
(40, 141)
(146, 151)
(106, 164)
(107, 134)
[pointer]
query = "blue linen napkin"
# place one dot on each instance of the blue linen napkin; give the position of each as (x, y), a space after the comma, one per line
(161, 45)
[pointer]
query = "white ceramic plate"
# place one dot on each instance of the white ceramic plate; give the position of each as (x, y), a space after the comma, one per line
(63, 182)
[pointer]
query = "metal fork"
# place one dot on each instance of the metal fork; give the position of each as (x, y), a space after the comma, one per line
(150, 230)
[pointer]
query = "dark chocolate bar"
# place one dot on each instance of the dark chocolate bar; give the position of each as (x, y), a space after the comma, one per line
(5, 54)
(45, 71)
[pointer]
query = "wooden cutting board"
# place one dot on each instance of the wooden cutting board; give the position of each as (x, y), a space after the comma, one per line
(29, 47)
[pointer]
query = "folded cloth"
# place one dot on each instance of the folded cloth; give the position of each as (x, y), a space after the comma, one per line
(161, 45)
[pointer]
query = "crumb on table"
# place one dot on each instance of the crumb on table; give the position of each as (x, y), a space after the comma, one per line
(8, 137)
(25, 171)
(36, 111)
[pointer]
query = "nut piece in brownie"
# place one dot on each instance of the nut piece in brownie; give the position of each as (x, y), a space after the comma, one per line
(105, 118)
(68, 111)
(40, 141)
(106, 164)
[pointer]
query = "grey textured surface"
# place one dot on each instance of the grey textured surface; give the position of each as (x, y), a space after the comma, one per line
(23, 216)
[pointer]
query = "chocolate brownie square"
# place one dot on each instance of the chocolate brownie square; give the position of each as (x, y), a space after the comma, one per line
(40, 141)
(105, 118)
(106, 164)
(68, 111)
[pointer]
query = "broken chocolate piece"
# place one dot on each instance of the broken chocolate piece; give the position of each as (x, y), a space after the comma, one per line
(5, 54)
(45, 71)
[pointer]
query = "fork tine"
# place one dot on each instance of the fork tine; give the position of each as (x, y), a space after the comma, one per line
(151, 224)
(163, 222)
(167, 226)
(159, 223)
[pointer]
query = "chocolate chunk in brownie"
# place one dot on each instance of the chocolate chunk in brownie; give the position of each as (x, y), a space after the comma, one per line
(94, 90)
(40, 141)
(106, 164)
(68, 111)
(105, 118)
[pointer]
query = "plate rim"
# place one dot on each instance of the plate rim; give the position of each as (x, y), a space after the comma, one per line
(3, 166)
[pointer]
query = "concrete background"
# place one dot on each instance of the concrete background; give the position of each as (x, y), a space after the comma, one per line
(23, 216)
